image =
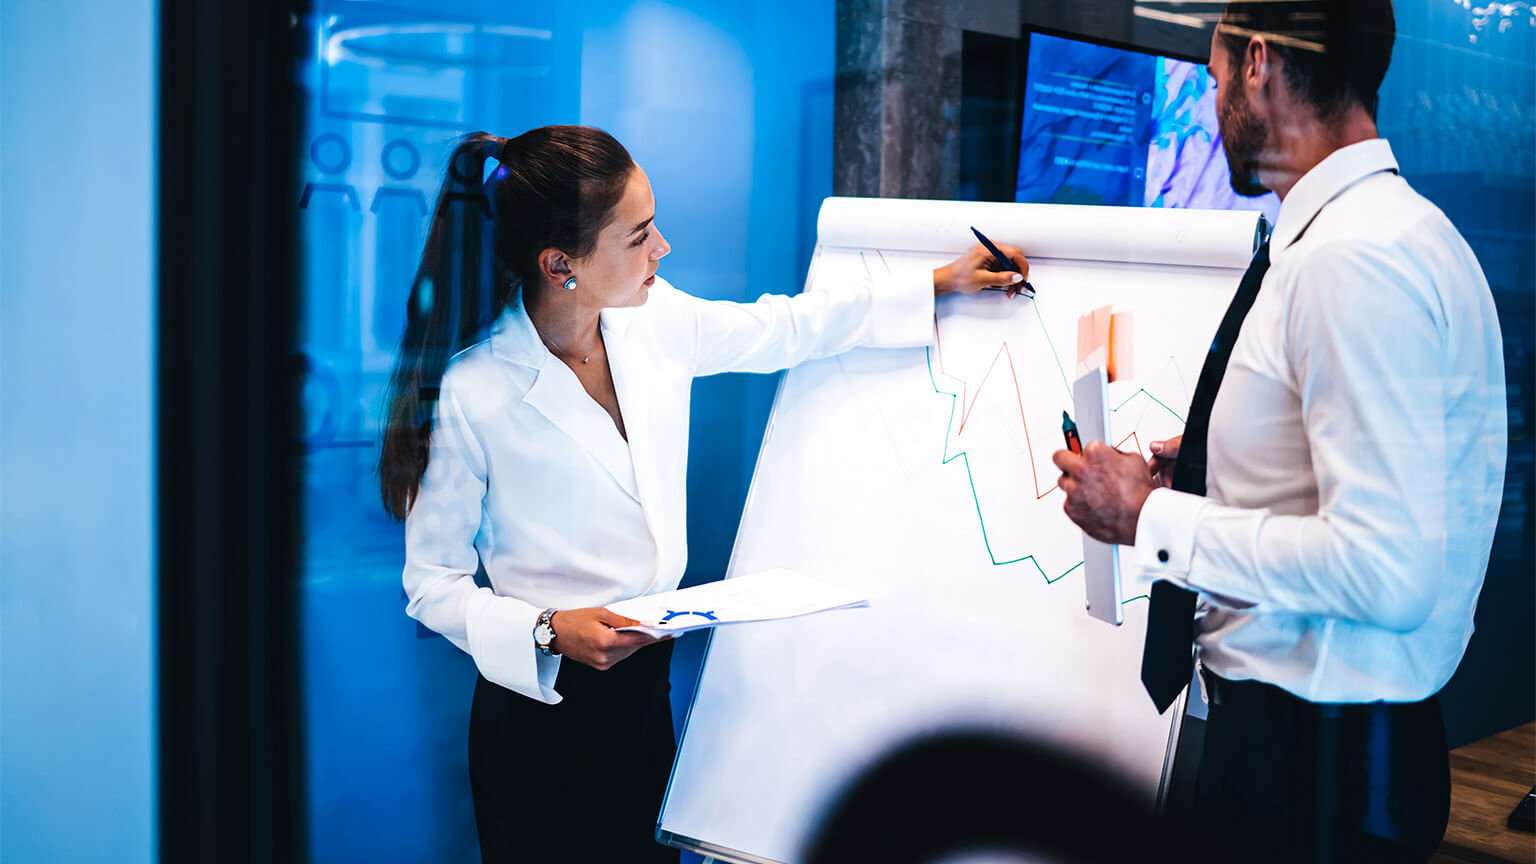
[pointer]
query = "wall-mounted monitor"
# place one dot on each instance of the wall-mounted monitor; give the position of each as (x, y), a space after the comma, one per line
(1106, 125)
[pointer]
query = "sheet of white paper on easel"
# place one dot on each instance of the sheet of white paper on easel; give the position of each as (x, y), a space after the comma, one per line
(765, 596)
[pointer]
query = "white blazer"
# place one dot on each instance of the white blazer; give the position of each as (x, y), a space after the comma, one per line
(528, 475)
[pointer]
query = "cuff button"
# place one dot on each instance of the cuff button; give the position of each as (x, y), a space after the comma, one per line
(1162, 555)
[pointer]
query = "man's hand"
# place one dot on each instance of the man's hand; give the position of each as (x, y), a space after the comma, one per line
(1164, 454)
(1105, 491)
(588, 636)
(973, 271)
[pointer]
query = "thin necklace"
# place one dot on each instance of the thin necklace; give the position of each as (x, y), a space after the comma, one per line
(558, 351)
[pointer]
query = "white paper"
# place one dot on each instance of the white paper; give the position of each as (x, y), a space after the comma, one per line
(1136, 235)
(764, 596)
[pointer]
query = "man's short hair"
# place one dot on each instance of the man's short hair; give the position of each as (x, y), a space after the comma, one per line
(1335, 51)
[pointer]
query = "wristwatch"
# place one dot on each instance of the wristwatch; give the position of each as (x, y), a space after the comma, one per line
(544, 633)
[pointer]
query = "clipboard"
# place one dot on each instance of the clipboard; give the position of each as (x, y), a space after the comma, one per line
(1101, 561)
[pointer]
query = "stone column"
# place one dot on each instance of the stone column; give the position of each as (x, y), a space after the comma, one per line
(897, 99)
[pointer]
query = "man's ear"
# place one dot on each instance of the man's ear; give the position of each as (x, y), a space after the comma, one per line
(1259, 61)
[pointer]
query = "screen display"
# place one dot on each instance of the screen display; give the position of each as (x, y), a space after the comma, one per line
(1105, 125)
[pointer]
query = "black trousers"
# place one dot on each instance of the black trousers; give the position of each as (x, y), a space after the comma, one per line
(580, 781)
(1283, 779)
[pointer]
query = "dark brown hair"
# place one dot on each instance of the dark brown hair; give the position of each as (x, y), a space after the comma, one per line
(1335, 52)
(555, 187)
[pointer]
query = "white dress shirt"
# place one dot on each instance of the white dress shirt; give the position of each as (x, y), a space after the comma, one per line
(530, 477)
(1356, 451)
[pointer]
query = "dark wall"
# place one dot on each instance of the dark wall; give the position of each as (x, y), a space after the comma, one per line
(1495, 687)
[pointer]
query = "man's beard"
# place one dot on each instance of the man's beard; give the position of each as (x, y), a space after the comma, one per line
(1242, 139)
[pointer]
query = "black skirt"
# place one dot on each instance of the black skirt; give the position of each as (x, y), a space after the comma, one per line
(580, 781)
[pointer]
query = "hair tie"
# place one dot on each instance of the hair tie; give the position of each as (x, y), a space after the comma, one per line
(496, 148)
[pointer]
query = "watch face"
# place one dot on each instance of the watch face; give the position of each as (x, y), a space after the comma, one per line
(543, 634)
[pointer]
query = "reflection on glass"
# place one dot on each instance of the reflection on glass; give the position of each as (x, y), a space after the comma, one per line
(729, 106)
(388, 86)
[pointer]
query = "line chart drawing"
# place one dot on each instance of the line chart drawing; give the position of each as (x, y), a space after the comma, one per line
(997, 416)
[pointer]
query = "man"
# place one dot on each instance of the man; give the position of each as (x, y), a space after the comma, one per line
(1335, 492)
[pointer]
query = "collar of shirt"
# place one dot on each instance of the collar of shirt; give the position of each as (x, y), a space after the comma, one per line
(1338, 171)
(560, 396)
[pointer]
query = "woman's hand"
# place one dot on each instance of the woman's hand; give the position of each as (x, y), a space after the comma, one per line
(588, 636)
(1164, 454)
(973, 271)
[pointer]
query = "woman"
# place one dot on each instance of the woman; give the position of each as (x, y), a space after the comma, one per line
(553, 455)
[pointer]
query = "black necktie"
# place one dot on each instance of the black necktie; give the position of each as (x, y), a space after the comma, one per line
(1166, 657)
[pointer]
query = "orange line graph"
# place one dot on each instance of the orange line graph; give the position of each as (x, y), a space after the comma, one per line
(968, 406)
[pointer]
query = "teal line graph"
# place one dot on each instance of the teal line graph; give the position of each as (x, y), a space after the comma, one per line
(1049, 343)
(1143, 392)
(975, 498)
(971, 480)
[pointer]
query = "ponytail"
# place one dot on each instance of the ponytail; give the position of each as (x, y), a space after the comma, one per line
(453, 300)
(555, 187)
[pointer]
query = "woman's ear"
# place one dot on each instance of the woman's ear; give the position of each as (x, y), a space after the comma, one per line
(554, 266)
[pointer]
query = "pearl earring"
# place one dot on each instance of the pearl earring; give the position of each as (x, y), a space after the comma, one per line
(570, 284)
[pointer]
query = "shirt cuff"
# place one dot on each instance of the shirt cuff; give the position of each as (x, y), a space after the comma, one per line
(501, 641)
(901, 314)
(1165, 533)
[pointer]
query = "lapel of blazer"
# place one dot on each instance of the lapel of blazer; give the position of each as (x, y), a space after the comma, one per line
(557, 394)
(627, 362)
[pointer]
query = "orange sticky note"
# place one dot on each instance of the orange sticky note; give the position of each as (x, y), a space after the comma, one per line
(1122, 346)
(1093, 338)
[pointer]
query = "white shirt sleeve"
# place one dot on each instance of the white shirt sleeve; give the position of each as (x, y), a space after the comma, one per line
(441, 560)
(1364, 342)
(778, 332)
